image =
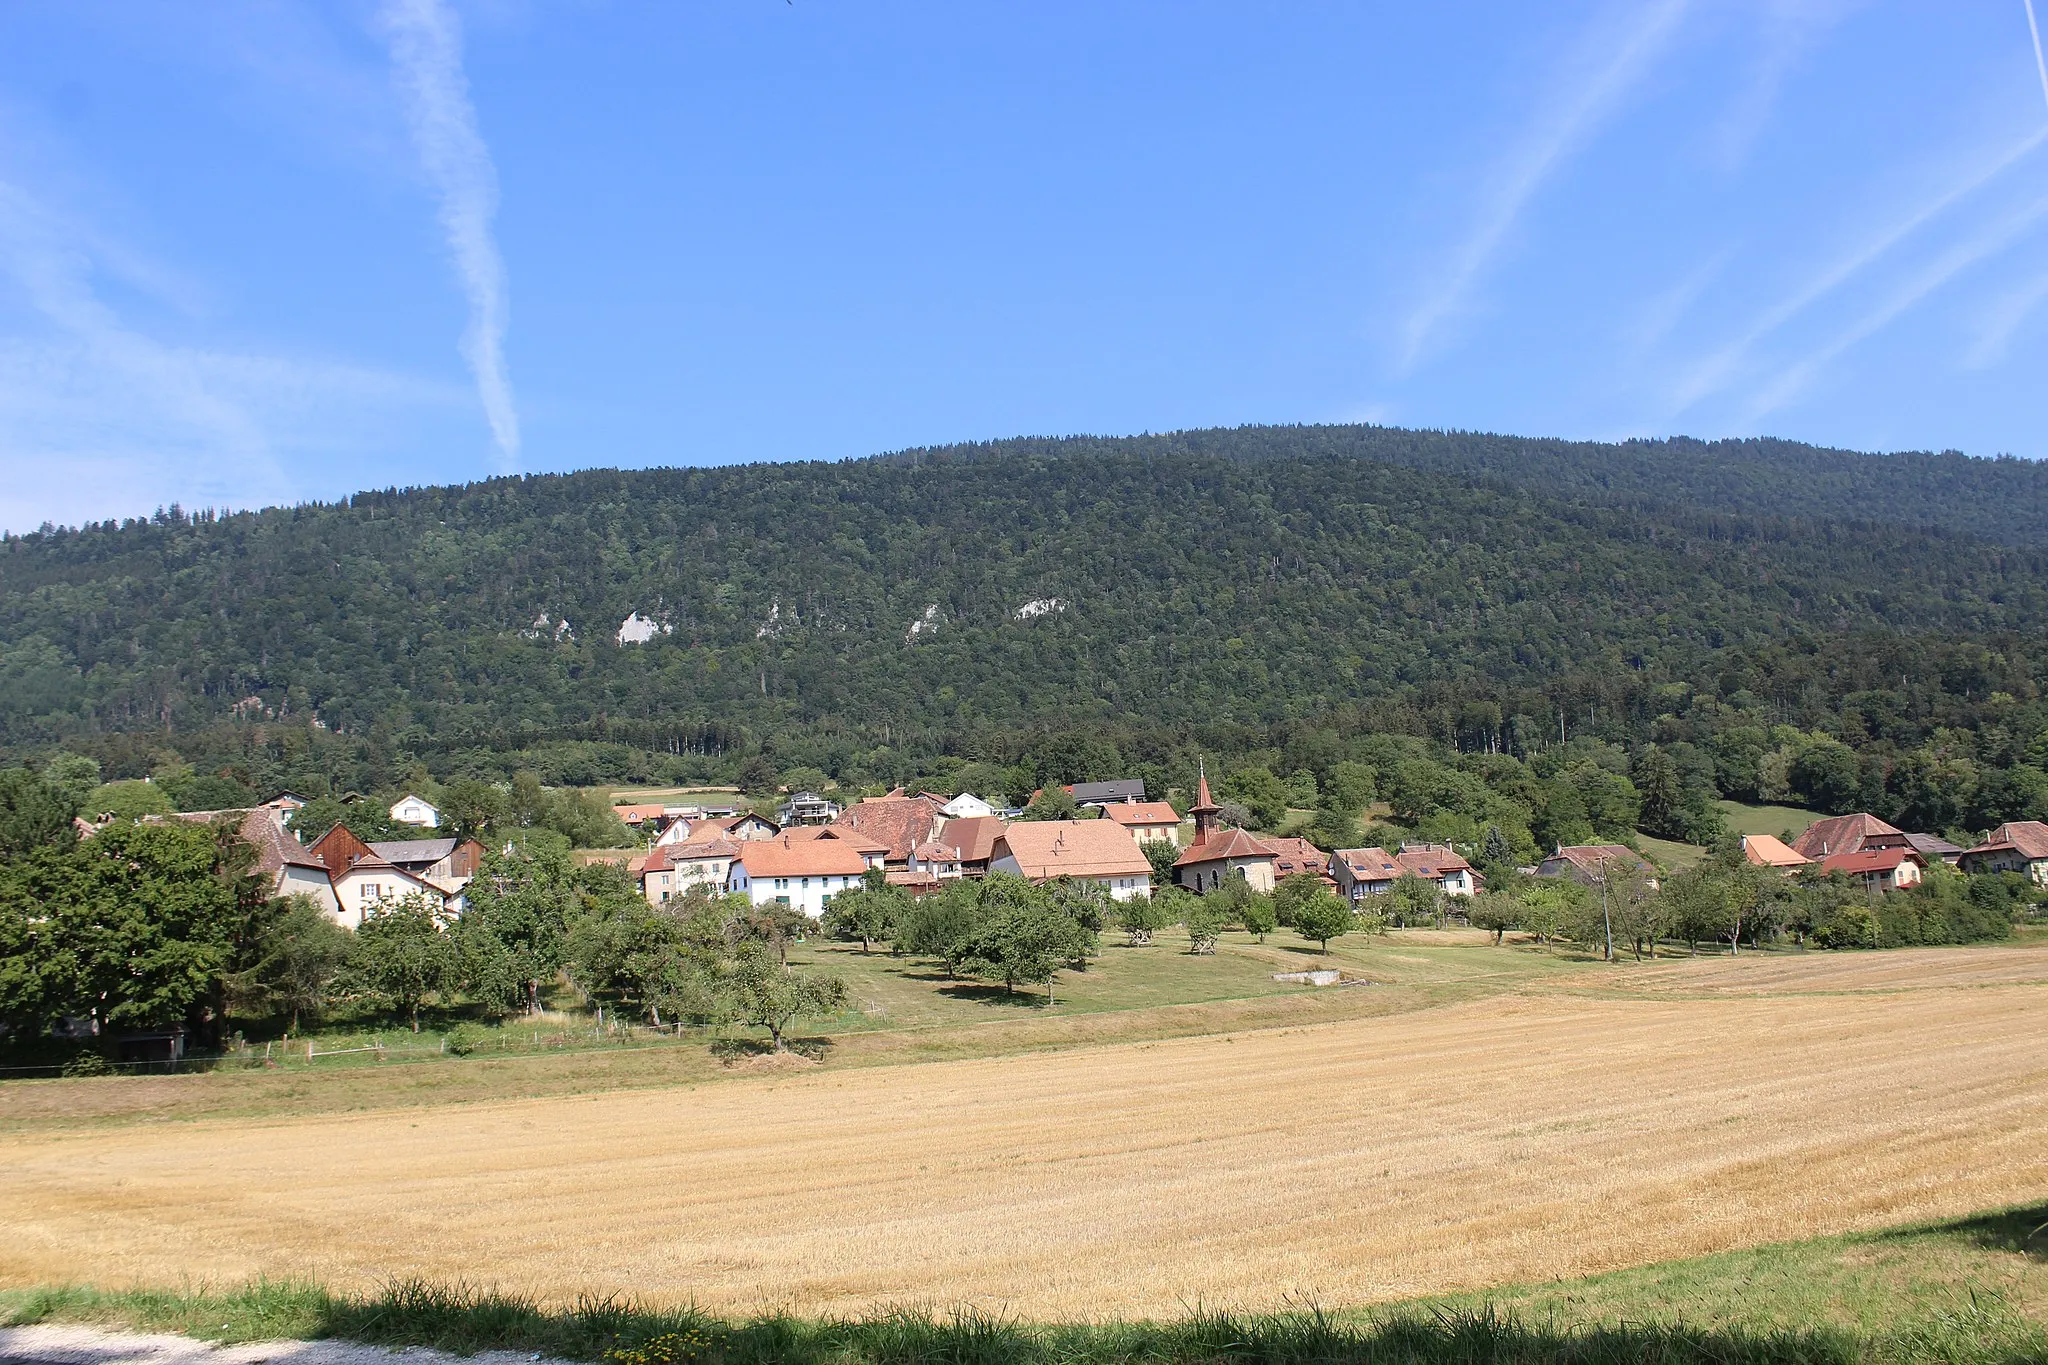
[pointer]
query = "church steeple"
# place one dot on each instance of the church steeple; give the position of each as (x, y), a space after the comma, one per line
(1204, 810)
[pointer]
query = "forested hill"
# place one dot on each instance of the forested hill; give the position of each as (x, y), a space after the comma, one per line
(1484, 589)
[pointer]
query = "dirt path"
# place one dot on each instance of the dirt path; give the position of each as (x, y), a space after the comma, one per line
(76, 1345)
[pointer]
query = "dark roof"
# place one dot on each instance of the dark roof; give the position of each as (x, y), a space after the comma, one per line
(1592, 859)
(399, 852)
(1116, 789)
(1932, 846)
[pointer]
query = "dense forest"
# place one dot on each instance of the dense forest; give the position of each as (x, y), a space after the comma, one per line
(1757, 619)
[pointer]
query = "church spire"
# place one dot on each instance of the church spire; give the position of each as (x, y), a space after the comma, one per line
(1204, 810)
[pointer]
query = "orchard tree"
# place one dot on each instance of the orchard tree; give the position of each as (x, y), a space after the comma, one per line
(1496, 913)
(1257, 915)
(402, 957)
(869, 914)
(1142, 916)
(939, 926)
(1204, 922)
(1417, 901)
(1323, 917)
(516, 929)
(760, 990)
(1293, 891)
(1024, 945)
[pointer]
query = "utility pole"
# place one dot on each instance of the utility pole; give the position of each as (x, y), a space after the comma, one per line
(1606, 918)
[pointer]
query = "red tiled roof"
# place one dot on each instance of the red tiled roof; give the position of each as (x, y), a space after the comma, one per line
(1129, 813)
(695, 851)
(1225, 843)
(1072, 848)
(974, 835)
(1369, 864)
(937, 852)
(1297, 855)
(1871, 860)
(897, 821)
(2028, 838)
(1839, 834)
(1432, 861)
(785, 857)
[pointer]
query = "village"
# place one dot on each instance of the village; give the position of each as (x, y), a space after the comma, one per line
(1123, 844)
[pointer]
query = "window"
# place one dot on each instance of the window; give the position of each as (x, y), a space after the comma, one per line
(807, 883)
(782, 884)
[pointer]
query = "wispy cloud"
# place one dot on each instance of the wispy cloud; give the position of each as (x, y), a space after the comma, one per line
(99, 418)
(426, 51)
(2002, 319)
(2040, 62)
(1593, 95)
(1728, 363)
(1976, 248)
(1789, 30)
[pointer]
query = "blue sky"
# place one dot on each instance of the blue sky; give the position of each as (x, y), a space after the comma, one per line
(253, 253)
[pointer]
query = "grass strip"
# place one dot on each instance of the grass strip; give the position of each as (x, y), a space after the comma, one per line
(1959, 1291)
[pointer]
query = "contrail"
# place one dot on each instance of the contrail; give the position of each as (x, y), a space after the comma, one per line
(1551, 141)
(2040, 64)
(426, 54)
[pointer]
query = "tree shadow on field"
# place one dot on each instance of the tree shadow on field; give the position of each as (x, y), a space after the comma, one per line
(733, 1051)
(2023, 1229)
(987, 994)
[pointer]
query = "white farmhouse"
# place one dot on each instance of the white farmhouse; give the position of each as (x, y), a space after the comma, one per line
(967, 806)
(415, 810)
(801, 874)
(371, 884)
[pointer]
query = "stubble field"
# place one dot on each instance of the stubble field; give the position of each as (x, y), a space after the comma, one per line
(1552, 1130)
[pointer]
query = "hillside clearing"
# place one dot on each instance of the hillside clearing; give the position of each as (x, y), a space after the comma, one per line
(1772, 820)
(1513, 1138)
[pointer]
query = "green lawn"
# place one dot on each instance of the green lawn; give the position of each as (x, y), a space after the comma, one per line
(1970, 1291)
(897, 992)
(1669, 854)
(1776, 820)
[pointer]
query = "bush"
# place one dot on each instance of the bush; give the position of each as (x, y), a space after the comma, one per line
(464, 1039)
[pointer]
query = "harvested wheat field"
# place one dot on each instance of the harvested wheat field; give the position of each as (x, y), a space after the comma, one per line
(1509, 1139)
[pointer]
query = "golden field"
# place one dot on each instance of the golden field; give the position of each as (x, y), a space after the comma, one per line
(1573, 1124)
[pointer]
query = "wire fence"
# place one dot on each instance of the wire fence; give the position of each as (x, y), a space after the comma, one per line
(294, 1052)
